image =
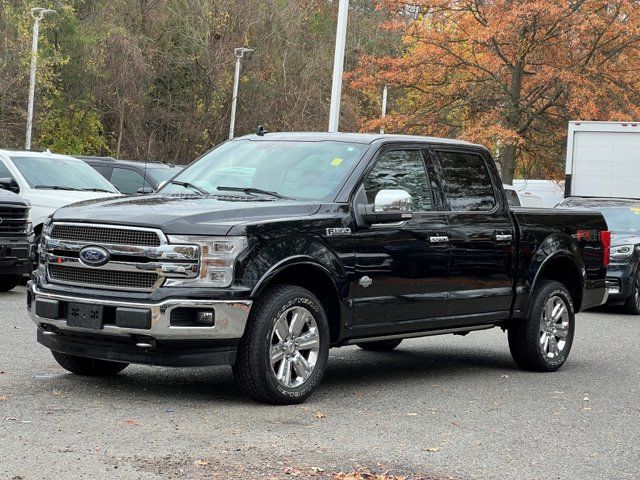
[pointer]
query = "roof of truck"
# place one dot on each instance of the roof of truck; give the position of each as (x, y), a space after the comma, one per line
(364, 138)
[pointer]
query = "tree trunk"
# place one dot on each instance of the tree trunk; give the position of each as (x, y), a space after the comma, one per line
(120, 129)
(508, 163)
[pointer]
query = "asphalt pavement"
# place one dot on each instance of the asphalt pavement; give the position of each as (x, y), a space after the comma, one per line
(438, 408)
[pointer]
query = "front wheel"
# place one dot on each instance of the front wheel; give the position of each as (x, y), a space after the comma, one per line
(542, 342)
(632, 305)
(9, 282)
(88, 366)
(283, 354)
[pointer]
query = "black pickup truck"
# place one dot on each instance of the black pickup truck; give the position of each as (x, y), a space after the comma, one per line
(272, 248)
(16, 240)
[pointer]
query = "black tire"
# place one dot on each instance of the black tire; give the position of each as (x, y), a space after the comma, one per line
(526, 337)
(381, 345)
(632, 305)
(253, 367)
(9, 282)
(88, 366)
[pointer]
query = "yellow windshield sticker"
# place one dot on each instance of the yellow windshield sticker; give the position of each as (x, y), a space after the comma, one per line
(635, 210)
(336, 161)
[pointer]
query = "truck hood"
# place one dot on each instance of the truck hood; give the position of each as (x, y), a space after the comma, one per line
(184, 214)
(59, 198)
(618, 239)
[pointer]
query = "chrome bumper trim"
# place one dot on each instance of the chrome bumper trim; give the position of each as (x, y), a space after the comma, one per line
(230, 317)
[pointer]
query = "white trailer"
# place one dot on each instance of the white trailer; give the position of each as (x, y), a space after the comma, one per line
(603, 159)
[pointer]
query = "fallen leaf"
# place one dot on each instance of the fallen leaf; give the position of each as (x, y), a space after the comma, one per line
(433, 449)
(505, 376)
(3, 398)
(131, 422)
(321, 415)
(201, 463)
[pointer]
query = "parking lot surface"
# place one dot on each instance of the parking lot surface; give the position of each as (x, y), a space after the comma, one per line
(438, 407)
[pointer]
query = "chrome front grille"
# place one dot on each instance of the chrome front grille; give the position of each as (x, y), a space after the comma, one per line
(93, 277)
(95, 235)
(139, 259)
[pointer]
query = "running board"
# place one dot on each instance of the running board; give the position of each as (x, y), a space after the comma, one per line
(426, 333)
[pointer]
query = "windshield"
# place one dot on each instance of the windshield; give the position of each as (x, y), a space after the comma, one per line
(163, 174)
(64, 173)
(622, 219)
(296, 169)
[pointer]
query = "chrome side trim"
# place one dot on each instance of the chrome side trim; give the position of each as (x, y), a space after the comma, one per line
(426, 333)
(231, 317)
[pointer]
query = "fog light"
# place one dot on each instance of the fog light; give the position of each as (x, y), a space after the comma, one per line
(206, 317)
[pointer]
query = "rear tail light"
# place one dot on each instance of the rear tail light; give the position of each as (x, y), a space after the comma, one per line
(605, 238)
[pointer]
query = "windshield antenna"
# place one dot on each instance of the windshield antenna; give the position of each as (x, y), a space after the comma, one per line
(261, 131)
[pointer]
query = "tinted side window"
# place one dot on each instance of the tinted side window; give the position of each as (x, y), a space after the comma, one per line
(512, 197)
(467, 181)
(101, 169)
(127, 181)
(4, 171)
(400, 169)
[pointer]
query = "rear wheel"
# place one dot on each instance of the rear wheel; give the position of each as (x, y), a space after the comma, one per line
(542, 343)
(283, 354)
(632, 305)
(8, 282)
(380, 346)
(88, 366)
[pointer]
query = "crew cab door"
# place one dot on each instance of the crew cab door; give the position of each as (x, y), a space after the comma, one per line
(401, 268)
(481, 235)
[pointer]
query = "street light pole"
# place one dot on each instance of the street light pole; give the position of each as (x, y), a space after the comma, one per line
(384, 106)
(37, 14)
(240, 53)
(338, 66)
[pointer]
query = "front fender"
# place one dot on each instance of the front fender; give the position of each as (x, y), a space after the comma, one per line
(290, 250)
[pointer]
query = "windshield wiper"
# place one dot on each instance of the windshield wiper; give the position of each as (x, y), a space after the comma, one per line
(95, 190)
(189, 185)
(252, 190)
(57, 187)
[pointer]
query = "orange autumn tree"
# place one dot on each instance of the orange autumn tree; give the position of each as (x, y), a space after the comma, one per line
(508, 74)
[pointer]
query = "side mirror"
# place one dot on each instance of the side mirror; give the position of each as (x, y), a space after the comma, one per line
(9, 184)
(390, 206)
(145, 191)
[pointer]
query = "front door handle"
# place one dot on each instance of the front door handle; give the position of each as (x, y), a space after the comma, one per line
(503, 237)
(439, 239)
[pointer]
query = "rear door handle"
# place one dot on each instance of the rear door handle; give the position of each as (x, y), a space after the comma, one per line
(439, 239)
(503, 237)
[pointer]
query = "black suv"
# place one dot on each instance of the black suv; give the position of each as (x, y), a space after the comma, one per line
(16, 239)
(133, 177)
(623, 274)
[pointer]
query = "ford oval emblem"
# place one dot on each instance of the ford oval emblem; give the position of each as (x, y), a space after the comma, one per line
(94, 256)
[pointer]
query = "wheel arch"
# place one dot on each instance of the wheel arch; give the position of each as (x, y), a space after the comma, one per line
(562, 266)
(306, 272)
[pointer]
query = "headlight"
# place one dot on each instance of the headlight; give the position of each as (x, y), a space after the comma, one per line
(621, 252)
(217, 259)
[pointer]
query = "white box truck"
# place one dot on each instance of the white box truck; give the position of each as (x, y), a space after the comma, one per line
(603, 159)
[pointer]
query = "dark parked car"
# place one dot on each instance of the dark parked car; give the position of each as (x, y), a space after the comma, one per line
(16, 240)
(133, 177)
(273, 248)
(623, 219)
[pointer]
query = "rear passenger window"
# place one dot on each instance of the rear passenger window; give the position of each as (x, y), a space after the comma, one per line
(467, 182)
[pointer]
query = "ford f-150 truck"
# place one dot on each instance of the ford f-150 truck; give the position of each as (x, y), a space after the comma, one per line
(272, 248)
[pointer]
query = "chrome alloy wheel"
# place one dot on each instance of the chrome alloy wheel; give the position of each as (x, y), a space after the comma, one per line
(295, 343)
(554, 328)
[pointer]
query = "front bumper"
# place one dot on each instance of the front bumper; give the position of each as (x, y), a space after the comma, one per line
(620, 281)
(160, 341)
(16, 256)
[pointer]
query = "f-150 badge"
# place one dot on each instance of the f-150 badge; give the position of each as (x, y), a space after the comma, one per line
(332, 232)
